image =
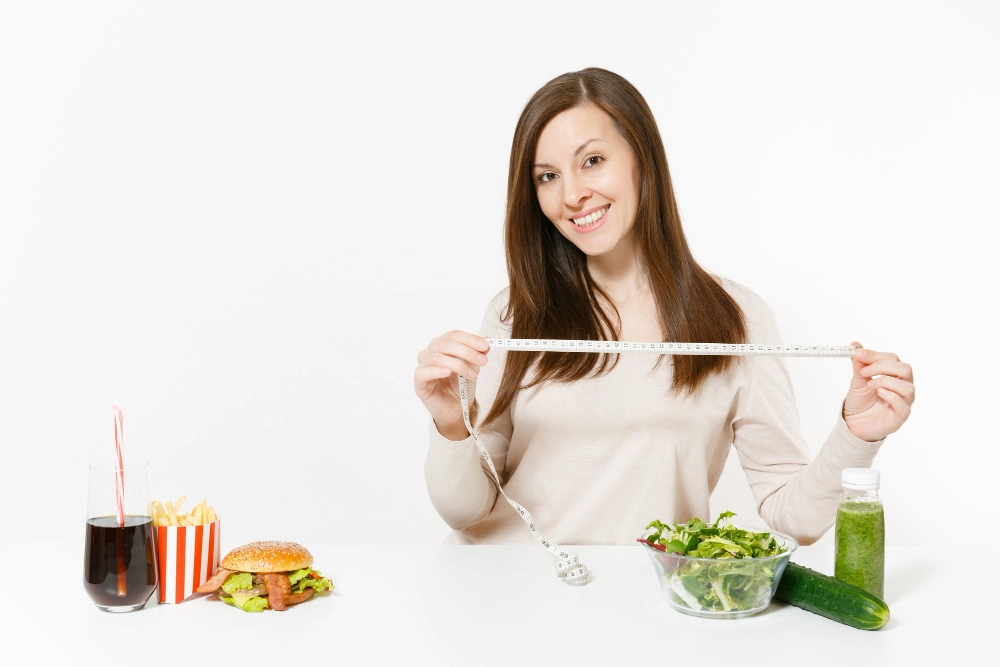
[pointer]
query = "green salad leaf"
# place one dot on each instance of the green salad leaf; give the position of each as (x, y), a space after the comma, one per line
(253, 604)
(734, 582)
(238, 581)
(309, 578)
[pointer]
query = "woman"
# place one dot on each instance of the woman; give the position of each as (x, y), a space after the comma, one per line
(597, 446)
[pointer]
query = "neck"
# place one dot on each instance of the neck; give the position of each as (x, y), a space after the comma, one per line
(619, 273)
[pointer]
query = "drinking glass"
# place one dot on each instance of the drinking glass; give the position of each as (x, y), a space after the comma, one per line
(119, 562)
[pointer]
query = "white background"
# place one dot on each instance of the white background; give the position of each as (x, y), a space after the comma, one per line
(241, 221)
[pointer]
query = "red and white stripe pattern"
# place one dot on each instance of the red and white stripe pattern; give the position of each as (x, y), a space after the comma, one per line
(119, 469)
(187, 557)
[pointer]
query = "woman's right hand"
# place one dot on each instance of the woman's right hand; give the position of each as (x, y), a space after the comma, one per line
(436, 378)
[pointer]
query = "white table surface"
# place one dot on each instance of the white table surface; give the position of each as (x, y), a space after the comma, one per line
(493, 605)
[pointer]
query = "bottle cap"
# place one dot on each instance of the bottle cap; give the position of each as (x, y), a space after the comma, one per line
(859, 478)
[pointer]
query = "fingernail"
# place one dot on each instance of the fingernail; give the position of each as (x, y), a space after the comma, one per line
(472, 374)
(871, 383)
(482, 359)
(860, 353)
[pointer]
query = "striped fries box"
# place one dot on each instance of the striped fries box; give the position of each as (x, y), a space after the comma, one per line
(186, 557)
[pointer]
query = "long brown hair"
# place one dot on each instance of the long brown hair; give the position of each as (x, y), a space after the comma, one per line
(552, 294)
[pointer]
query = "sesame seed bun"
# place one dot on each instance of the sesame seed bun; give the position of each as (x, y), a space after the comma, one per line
(268, 557)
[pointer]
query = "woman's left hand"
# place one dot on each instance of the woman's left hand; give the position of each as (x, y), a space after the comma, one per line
(878, 406)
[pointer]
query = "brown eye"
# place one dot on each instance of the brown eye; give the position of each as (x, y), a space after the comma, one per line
(593, 161)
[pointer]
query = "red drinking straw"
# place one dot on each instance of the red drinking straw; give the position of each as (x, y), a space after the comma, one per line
(120, 497)
(119, 471)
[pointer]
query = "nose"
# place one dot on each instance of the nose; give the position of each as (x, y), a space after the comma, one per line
(575, 190)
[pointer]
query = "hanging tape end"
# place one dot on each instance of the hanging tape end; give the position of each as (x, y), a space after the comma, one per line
(572, 571)
(577, 577)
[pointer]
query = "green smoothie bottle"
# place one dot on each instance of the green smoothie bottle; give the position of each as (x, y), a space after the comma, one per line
(860, 534)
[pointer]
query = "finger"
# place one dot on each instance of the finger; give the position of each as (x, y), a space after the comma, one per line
(896, 402)
(462, 351)
(457, 366)
(425, 377)
(475, 344)
(472, 340)
(858, 363)
(896, 386)
(869, 356)
(897, 369)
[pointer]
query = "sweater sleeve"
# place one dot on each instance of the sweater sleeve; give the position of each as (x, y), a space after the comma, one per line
(460, 485)
(794, 495)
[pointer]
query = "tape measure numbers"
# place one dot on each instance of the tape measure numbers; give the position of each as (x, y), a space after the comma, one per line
(705, 349)
(569, 567)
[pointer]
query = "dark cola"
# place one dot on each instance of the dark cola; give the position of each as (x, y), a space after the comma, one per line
(119, 563)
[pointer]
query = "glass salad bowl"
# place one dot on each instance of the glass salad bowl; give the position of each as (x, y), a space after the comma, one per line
(720, 587)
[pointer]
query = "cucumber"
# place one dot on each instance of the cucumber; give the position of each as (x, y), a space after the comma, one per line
(832, 598)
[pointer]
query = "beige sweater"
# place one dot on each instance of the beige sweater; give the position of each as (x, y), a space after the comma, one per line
(595, 460)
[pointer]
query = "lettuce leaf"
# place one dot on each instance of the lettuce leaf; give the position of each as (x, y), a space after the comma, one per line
(303, 579)
(720, 540)
(294, 577)
(319, 585)
(237, 581)
(254, 604)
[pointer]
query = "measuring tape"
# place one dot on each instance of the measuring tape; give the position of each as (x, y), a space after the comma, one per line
(726, 349)
(569, 567)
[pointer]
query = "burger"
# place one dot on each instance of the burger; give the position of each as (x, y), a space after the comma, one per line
(267, 575)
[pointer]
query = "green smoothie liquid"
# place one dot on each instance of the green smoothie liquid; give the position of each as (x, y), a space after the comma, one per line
(860, 548)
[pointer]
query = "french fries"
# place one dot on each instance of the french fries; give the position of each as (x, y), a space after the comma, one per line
(169, 513)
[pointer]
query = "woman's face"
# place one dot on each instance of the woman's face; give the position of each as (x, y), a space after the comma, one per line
(587, 180)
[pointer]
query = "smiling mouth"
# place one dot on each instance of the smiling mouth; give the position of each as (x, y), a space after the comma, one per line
(588, 220)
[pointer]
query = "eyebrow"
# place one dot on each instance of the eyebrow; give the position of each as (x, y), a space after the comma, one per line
(575, 153)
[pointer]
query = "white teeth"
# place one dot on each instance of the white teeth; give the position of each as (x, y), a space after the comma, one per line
(588, 220)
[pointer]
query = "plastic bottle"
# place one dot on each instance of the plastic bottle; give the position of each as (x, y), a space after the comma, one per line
(860, 534)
